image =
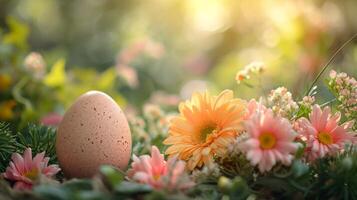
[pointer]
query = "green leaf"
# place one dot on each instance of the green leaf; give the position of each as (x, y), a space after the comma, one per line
(299, 168)
(57, 75)
(90, 195)
(240, 189)
(300, 151)
(17, 35)
(78, 185)
(111, 175)
(79, 189)
(107, 79)
(39, 139)
(50, 192)
(236, 188)
(205, 191)
(7, 145)
(130, 188)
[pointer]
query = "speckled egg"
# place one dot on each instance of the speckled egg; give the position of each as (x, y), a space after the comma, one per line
(94, 131)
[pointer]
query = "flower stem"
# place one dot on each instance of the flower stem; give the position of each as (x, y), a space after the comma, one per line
(328, 102)
(329, 62)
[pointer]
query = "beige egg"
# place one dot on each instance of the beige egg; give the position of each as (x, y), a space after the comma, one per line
(94, 131)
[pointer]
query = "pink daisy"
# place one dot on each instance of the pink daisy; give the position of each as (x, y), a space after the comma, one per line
(24, 170)
(254, 107)
(51, 119)
(322, 133)
(270, 139)
(158, 173)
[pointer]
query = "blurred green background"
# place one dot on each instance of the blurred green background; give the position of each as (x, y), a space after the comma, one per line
(160, 51)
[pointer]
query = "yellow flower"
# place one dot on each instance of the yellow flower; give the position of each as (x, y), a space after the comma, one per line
(205, 128)
(5, 82)
(6, 110)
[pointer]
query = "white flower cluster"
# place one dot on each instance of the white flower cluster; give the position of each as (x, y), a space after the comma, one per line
(345, 90)
(307, 101)
(254, 67)
(208, 172)
(157, 120)
(281, 102)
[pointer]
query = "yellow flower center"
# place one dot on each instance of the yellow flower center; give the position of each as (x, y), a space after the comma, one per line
(206, 131)
(33, 174)
(156, 177)
(267, 140)
(324, 138)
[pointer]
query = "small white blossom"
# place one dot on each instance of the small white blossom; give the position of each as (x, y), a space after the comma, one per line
(35, 63)
(281, 102)
(344, 88)
(254, 67)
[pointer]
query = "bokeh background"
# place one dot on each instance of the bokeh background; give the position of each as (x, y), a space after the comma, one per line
(160, 51)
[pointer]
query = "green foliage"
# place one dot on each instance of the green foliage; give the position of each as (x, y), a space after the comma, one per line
(149, 129)
(343, 88)
(38, 138)
(7, 145)
(205, 191)
(110, 185)
(236, 165)
(74, 189)
(332, 177)
(82, 80)
(303, 111)
(336, 178)
(111, 176)
(234, 189)
(327, 178)
(34, 84)
(17, 35)
(5, 190)
(283, 182)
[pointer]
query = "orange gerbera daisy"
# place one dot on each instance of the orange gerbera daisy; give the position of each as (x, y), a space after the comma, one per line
(205, 127)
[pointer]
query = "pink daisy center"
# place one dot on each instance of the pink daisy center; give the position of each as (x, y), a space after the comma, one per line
(325, 138)
(267, 140)
(156, 177)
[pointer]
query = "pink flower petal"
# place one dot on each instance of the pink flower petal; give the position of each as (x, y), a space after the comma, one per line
(28, 159)
(255, 157)
(23, 169)
(22, 186)
(37, 160)
(18, 162)
(158, 173)
(51, 170)
(323, 121)
(321, 124)
(315, 116)
(280, 129)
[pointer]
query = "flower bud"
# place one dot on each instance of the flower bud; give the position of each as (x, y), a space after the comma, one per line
(35, 63)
